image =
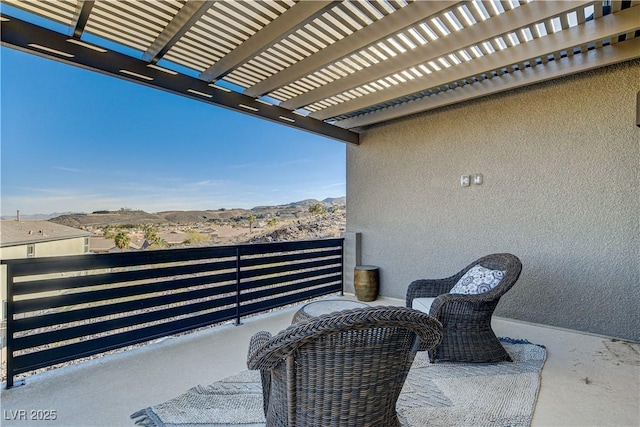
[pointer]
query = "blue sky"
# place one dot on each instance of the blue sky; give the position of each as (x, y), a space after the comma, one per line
(75, 140)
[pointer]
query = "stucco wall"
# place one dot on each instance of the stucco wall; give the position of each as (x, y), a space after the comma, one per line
(561, 173)
(73, 246)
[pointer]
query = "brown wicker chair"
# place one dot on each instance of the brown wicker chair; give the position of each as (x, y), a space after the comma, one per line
(341, 369)
(466, 319)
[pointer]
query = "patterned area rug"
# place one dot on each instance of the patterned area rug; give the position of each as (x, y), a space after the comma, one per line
(442, 394)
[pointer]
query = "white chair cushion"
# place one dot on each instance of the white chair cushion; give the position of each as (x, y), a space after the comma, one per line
(422, 304)
(477, 280)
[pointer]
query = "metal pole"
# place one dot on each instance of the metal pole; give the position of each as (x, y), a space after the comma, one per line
(342, 267)
(238, 322)
(9, 314)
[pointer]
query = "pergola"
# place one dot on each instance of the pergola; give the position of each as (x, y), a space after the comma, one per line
(328, 67)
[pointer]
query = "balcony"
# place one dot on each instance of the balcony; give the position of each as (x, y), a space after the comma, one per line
(586, 380)
(559, 161)
(157, 298)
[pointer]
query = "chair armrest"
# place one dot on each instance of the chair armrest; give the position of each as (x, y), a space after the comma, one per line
(456, 304)
(266, 355)
(447, 298)
(429, 288)
(266, 351)
(256, 343)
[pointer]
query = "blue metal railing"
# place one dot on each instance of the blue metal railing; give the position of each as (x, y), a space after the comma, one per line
(64, 308)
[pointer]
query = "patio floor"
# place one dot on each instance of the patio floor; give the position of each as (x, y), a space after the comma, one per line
(587, 380)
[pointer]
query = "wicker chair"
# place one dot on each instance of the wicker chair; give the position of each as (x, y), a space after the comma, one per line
(341, 369)
(466, 319)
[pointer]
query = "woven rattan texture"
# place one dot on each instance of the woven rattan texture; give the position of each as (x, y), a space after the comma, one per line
(466, 319)
(341, 369)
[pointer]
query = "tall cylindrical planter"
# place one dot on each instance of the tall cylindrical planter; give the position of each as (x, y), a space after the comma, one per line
(366, 281)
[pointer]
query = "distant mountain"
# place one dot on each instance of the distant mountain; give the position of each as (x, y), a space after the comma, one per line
(43, 217)
(335, 200)
(306, 202)
(123, 217)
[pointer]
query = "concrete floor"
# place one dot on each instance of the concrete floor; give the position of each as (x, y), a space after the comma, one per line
(586, 381)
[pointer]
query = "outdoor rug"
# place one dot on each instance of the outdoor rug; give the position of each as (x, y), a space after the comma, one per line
(441, 394)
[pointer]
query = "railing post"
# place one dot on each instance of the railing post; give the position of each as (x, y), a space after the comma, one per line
(10, 326)
(342, 266)
(238, 322)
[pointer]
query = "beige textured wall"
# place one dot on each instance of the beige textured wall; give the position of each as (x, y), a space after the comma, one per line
(73, 246)
(561, 173)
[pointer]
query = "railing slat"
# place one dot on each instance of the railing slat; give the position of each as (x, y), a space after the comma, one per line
(256, 272)
(117, 292)
(287, 246)
(269, 293)
(276, 259)
(101, 311)
(76, 282)
(49, 337)
(48, 265)
(274, 280)
(83, 307)
(65, 353)
(261, 306)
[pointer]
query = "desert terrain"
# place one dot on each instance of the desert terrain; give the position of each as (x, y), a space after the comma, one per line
(307, 219)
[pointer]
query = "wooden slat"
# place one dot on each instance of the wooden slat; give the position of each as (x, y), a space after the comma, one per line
(375, 32)
(294, 18)
(486, 30)
(241, 40)
(567, 66)
(564, 21)
(476, 15)
(58, 12)
(548, 26)
(598, 9)
(616, 6)
(21, 35)
(591, 31)
(80, 17)
(188, 15)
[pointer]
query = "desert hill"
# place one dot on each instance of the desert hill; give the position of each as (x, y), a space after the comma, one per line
(293, 221)
(307, 228)
(136, 217)
(108, 218)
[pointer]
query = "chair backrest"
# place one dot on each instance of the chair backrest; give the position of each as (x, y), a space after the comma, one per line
(506, 262)
(345, 368)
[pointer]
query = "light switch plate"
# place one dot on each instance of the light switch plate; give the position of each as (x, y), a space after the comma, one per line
(465, 180)
(477, 179)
